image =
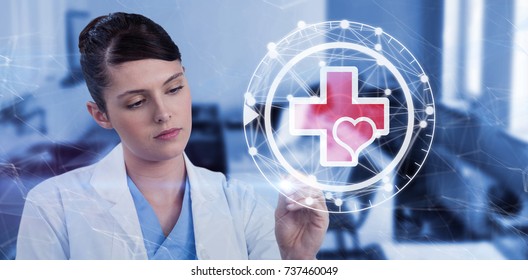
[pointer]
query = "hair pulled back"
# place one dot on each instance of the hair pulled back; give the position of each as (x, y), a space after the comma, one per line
(118, 38)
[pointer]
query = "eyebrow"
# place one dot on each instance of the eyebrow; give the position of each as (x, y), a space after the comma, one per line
(171, 78)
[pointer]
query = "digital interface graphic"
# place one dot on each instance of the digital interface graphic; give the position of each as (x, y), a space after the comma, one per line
(342, 107)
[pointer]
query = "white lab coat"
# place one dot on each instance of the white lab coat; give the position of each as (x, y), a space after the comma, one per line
(88, 213)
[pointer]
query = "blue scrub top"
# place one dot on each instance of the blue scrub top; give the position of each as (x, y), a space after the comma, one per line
(179, 244)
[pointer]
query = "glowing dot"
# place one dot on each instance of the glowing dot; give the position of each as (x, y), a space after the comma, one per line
(387, 187)
(309, 201)
(424, 78)
(344, 24)
(271, 46)
(423, 124)
(386, 179)
(328, 195)
(466, 172)
(289, 97)
(250, 100)
(273, 54)
(429, 110)
(253, 151)
(377, 134)
(322, 63)
(338, 202)
(286, 186)
(301, 24)
(377, 47)
(378, 31)
(388, 91)
(380, 62)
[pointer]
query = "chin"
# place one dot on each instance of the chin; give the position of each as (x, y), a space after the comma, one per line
(157, 155)
(168, 154)
(163, 156)
(176, 150)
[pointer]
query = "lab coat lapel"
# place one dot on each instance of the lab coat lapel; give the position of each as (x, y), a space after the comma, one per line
(109, 180)
(214, 231)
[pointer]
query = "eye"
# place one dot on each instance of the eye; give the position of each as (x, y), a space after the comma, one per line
(136, 104)
(175, 90)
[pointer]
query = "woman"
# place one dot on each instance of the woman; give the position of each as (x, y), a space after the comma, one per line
(145, 199)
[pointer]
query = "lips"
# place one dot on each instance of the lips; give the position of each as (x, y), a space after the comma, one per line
(168, 134)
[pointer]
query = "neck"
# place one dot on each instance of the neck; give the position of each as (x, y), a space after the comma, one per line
(157, 180)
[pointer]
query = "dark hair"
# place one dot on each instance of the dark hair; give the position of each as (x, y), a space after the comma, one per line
(118, 38)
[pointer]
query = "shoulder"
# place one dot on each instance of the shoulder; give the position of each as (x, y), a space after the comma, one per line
(201, 172)
(77, 182)
(215, 184)
(71, 181)
(237, 207)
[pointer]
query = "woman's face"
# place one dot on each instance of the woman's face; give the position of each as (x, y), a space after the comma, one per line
(149, 105)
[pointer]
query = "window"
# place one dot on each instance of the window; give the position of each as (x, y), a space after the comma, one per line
(519, 82)
(462, 51)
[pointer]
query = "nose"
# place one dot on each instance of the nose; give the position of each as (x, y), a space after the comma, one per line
(162, 114)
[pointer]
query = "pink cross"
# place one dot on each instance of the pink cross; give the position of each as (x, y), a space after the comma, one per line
(345, 122)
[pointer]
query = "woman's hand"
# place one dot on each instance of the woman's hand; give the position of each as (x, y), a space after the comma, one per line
(300, 230)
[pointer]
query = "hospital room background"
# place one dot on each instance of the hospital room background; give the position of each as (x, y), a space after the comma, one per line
(470, 198)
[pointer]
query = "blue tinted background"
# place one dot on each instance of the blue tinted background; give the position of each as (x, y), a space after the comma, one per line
(470, 199)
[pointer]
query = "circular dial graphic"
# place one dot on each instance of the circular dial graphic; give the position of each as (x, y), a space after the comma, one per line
(342, 107)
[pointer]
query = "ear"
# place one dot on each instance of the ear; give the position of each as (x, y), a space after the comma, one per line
(99, 117)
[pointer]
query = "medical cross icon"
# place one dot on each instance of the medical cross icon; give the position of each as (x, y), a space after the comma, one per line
(345, 123)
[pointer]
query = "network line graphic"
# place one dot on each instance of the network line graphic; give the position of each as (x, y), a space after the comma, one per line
(342, 107)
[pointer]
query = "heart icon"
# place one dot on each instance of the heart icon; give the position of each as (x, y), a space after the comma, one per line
(354, 135)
